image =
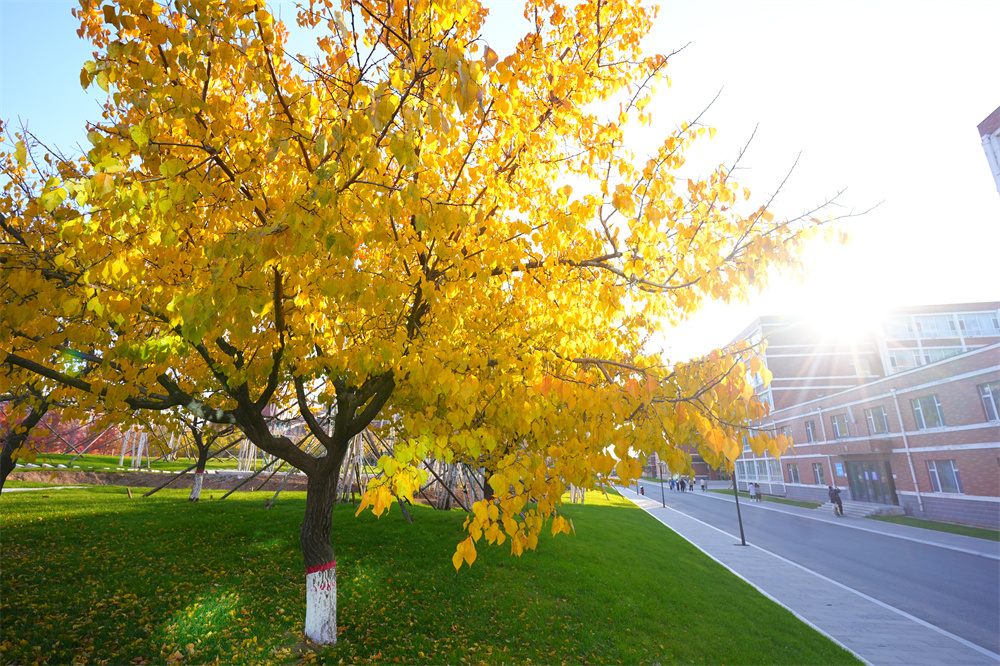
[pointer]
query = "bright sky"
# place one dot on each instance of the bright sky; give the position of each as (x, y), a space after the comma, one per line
(881, 98)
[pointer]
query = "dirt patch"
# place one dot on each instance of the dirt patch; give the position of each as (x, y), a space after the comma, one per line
(152, 480)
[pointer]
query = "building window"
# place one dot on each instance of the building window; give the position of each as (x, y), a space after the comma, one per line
(979, 325)
(936, 326)
(927, 412)
(938, 353)
(811, 431)
(786, 431)
(840, 430)
(878, 424)
(944, 476)
(899, 328)
(774, 470)
(861, 367)
(793, 473)
(818, 473)
(904, 359)
(990, 393)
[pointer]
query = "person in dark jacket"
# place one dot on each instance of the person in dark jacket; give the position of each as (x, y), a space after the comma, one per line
(834, 494)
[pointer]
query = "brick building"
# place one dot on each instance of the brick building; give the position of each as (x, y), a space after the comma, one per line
(989, 134)
(905, 414)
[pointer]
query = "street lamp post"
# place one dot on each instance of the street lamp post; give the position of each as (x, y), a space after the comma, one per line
(659, 470)
(739, 516)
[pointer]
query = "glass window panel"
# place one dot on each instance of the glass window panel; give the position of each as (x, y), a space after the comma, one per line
(878, 424)
(927, 412)
(904, 359)
(939, 353)
(944, 476)
(978, 325)
(990, 393)
(935, 326)
(899, 328)
(774, 469)
(839, 422)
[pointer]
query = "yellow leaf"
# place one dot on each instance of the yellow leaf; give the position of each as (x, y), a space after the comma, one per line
(470, 551)
(490, 57)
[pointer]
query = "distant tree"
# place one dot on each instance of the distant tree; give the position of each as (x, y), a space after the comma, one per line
(404, 228)
(202, 439)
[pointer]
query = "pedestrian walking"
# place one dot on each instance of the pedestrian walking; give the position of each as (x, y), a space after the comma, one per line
(756, 488)
(753, 492)
(671, 484)
(834, 494)
(704, 485)
(682, 484)
(691, 485)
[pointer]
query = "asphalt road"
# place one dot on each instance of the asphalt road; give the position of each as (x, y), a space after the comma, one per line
(956, 591)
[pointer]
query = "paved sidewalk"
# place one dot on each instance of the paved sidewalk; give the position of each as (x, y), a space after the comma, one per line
(875, 632)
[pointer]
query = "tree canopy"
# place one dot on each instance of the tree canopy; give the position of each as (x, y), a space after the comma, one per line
(403, 228)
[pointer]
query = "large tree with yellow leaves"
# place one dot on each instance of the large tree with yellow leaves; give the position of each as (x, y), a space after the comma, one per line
(405, 228)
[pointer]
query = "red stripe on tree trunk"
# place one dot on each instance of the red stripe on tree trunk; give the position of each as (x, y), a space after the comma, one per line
(321, 567)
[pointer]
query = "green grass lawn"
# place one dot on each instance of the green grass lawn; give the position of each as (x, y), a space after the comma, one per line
(953, 528)
(91, 576)
(97, 462)
(92, 462)
(769, 498)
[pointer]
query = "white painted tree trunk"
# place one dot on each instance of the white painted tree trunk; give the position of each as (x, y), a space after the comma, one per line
(196, 486)
(321, 604)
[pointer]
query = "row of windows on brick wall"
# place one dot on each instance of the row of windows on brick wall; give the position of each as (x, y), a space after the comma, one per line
(943, 474)
(927, 413)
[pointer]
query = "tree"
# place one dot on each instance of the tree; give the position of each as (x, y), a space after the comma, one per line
(16, 432)
(404, 228)
(202, 438)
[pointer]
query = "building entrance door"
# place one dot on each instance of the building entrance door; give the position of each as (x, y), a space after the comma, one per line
(871, 481)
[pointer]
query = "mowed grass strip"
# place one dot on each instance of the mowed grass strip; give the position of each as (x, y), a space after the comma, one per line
(951, 528)
(92, 576)
(770, 498)
(97, 462)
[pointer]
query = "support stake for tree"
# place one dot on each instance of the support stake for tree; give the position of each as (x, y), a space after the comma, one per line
(177, 476)
(249, 479)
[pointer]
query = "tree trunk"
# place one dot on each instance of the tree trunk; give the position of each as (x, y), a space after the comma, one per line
(199, 474)
(321, 567)
(12, 441)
